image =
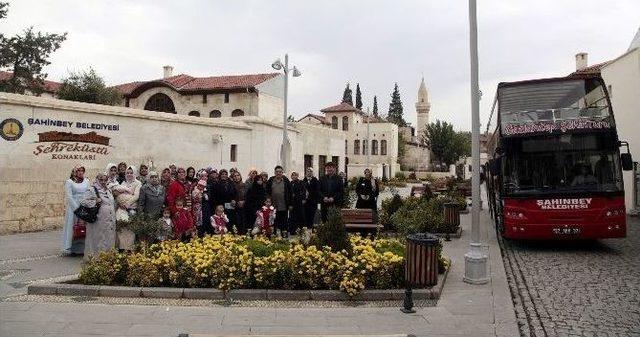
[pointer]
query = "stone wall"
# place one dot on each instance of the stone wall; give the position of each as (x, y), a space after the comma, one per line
(33, 171)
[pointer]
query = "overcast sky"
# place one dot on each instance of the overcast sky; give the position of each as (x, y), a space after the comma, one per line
(374, 43)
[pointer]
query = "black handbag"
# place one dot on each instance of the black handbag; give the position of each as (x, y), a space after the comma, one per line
(88, 214)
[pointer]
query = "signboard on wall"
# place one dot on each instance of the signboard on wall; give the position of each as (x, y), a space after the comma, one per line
(71, 146)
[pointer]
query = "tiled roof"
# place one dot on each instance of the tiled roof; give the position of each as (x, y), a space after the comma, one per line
(342, 107)
(49, 86)
(185, 82)
(321, 119)
(590, 70)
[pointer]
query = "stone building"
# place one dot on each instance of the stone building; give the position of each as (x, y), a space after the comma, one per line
(259, 95)
(381, 140)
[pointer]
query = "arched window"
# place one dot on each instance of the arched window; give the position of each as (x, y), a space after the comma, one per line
(383, 147)
(374, 147)
(345, 123)
(194, 113)
(237, 113)
(364, 147)
(356, 146)
(334, 122)
(215, 114)
(346, 147)
(160, 102)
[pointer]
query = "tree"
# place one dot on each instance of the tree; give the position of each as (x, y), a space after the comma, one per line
(290, 119)
(89, 87)
(375, 106)
(395, 108)
(446, 145)
(25, 56)
(401, 145)
(358, 97)
(346, 96)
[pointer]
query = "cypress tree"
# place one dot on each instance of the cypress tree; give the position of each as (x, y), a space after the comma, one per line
(395, 108)
(375, 106)
(346, 96)
(358, 97)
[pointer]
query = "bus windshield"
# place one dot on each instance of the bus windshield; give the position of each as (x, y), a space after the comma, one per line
(564, 163)
(554, 106)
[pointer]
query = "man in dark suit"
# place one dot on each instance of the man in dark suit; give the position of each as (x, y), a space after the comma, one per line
(312, 186)
(331, 190)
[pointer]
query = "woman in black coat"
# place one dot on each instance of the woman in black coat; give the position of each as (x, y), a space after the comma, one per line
(367, 191)
(253, 200)
(298, 201)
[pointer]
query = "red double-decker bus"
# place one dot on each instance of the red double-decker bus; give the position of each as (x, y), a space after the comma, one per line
(556, 167)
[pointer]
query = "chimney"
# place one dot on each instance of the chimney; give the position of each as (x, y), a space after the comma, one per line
(581, 60)
(168, 71)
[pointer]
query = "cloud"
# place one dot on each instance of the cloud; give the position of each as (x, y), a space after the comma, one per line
(375, 43)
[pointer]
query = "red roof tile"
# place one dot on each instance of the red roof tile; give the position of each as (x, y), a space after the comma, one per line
(317, 117)
(342, 107)
(185, 82)
(591, 70)
(49, 86)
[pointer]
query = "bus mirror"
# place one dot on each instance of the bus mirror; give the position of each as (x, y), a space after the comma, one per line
(626, 161)
(494, 166)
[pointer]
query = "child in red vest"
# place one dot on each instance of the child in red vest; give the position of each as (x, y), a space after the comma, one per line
(219, 221)
(182, 221)
(265, 218)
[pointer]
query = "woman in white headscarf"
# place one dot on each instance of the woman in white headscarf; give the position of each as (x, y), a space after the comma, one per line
(127, 194)
(74, 189)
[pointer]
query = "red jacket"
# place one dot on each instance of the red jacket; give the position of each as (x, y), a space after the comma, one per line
(176, 190)
(182, 221)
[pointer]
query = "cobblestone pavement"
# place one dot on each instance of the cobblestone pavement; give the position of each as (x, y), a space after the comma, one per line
(576, 288)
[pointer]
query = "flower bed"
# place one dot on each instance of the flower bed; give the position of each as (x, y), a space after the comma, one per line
(237, 262)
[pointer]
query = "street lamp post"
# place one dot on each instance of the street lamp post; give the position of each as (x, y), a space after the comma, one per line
(286, 147)
(369, 147)
(475, 260)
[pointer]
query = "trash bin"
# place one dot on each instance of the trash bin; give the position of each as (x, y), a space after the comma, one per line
(451, 217)
(421, 260)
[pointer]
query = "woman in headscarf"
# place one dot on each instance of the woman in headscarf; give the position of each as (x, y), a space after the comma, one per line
(74, 189)
(253, 201)
(252, 174)
(152, 196)
(122, 170)
(127, 202)
(143, 174)
(165, 178)
(112, 175)
(101, 235)
(368, 190)
(191, 175)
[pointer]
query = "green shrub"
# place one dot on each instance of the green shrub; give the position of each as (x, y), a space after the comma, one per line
(418, 215)
(105, 268)
(333, 233)
(388, 208)
(400, 176)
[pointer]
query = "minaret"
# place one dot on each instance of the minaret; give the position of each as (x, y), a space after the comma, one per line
(422, 109)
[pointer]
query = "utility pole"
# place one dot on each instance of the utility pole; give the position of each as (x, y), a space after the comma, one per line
(475, 260)
(368, 141)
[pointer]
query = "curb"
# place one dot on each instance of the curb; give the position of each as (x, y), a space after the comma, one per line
(63, 289)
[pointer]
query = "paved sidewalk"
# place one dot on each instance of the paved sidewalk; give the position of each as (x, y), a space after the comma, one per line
(463, 310)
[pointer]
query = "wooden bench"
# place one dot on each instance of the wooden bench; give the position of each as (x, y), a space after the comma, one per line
(359, 220)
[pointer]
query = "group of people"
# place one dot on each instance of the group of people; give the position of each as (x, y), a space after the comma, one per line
(193, 203)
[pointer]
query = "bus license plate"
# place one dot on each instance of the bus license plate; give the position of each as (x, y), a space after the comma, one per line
(566, 231)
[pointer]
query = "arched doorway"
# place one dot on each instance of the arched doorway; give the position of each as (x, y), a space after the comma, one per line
(160, 102)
